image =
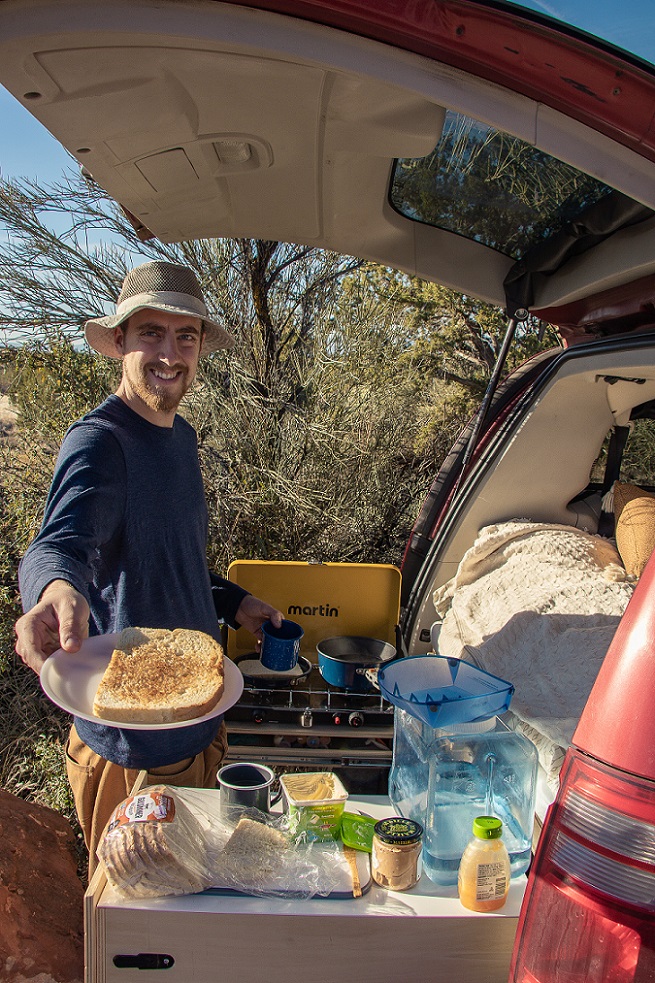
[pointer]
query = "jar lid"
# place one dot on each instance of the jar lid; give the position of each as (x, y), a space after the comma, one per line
(487, 827)
(398, 830)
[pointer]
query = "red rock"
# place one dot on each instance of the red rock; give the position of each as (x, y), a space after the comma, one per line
(41, 896)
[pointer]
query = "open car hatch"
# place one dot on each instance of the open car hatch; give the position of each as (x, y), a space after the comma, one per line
(301, 122)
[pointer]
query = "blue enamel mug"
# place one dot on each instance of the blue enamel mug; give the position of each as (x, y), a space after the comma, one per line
(280, 646)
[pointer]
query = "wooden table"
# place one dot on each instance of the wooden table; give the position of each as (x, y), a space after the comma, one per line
(418, 936)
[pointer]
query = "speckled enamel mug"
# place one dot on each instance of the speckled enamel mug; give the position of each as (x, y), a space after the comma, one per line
(246, 785)
(280, 646)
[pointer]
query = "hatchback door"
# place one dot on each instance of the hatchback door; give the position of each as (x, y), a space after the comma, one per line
(448, 139)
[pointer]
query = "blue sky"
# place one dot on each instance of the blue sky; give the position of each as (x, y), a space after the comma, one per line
(27, 149)
(629, 24)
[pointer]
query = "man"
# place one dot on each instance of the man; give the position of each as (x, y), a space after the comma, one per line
(124, 536)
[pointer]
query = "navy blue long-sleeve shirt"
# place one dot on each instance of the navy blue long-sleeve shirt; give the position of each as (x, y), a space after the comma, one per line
(126, 524)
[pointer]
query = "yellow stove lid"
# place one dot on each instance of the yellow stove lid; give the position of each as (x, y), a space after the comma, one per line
(326, 599)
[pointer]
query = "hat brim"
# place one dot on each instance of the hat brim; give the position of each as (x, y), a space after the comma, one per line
(99, 331)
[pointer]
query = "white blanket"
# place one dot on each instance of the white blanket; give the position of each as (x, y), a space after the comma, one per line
(538, 605)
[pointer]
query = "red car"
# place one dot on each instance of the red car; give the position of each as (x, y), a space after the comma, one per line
(506, 154)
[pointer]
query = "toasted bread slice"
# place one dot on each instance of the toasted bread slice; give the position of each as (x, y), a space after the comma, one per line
(157, 676)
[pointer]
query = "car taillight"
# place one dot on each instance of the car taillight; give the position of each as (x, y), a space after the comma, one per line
(588, 915)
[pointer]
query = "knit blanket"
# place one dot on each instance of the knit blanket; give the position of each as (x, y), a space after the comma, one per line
(538, 605)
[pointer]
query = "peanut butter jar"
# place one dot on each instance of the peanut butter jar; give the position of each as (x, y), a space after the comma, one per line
(396, 853)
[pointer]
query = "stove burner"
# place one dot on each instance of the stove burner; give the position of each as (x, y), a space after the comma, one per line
(259, 676)
(311, 703)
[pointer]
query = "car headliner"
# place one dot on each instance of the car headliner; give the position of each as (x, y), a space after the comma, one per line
(214, 119)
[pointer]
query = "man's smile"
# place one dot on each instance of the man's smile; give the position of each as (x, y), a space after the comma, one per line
(166, 375)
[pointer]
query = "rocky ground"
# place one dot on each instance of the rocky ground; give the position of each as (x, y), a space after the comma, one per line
(41, 896)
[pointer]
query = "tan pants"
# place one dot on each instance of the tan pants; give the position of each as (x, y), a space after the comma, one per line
(98, 785)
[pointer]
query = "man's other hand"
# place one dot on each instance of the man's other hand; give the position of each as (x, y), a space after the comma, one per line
(252, 613)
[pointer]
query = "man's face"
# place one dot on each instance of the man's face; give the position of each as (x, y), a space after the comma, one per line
(160, 358)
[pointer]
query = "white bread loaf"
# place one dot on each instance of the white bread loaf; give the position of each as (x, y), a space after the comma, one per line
(154, 846)
(157, 676)
(256, 859)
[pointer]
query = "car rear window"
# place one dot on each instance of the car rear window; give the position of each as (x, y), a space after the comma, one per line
(491, 187)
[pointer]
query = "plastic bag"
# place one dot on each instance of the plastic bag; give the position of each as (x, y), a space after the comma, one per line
(154, 846)
(165, 841)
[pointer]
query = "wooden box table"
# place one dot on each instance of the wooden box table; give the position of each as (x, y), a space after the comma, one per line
(418, 936)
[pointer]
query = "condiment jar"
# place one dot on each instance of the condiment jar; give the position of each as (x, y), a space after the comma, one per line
(484, 870)
(396, 853)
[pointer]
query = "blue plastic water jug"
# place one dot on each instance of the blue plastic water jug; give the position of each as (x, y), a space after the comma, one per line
(446, 775)
(486, 771)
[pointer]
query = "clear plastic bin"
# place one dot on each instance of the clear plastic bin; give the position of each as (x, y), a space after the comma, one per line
(445, 778)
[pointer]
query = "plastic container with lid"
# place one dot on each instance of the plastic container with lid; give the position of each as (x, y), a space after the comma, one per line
(480, 768)
(315, 803)
(430, 694)
(396, 853)
(484, 870)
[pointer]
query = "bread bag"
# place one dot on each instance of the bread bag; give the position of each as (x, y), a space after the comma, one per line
(165, 841)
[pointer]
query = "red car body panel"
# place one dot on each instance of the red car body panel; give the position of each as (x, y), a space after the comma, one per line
(622, 696)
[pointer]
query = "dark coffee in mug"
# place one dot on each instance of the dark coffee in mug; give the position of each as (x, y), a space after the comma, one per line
(245, 776)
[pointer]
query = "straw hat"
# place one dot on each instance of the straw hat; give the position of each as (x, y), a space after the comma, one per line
(158, 286)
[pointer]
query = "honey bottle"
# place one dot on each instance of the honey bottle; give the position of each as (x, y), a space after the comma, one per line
(484, 870)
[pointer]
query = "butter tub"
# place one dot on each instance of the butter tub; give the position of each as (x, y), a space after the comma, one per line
(315, 802)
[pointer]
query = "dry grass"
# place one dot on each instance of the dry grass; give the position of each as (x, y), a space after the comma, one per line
(34, 731)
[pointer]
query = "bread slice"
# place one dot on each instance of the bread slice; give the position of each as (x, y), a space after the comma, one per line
(254, 854)
(157, 676)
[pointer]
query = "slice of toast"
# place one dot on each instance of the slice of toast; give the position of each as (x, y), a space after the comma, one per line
(157, 676)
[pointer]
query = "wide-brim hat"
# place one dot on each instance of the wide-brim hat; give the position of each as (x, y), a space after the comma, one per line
(157, 286)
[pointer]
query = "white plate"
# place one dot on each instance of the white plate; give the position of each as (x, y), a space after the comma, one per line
(71, 681)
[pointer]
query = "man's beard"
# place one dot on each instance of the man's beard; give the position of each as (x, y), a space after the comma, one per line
(158, 398)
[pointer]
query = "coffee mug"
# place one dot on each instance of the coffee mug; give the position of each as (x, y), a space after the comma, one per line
(247, 786)
(280, 646)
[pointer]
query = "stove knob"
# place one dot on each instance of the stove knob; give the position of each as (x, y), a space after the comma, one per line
(259, 716)
(307, 719)
(356, 719)
(337, 719)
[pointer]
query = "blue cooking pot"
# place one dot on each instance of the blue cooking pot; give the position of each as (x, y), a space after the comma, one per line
(344, 659)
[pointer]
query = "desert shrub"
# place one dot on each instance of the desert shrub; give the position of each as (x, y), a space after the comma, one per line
(50, 384)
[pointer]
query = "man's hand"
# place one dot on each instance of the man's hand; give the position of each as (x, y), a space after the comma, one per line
(59, 620)
(252, 613)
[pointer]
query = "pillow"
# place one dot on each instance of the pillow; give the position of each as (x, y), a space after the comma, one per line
(634, 515)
